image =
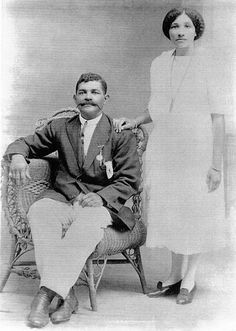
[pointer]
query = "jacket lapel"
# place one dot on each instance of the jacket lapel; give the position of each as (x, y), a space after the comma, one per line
(73, 129)
(100, 137)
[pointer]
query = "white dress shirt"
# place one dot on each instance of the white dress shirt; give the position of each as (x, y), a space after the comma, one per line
(89, 130)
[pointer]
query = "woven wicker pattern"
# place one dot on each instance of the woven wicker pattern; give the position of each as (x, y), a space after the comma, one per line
(115, 242)
(63, 113)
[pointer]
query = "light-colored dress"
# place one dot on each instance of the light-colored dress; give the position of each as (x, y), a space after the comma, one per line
(181, 214)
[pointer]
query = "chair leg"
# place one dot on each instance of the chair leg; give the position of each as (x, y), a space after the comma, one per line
(6, 266)
(141, 271)
(136, 261)
(92, 289)
(5, 273)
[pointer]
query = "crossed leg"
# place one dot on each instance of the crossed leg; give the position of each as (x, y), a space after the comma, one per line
(60, 260)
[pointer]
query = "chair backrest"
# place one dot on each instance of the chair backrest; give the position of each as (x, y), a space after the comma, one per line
(17, 199)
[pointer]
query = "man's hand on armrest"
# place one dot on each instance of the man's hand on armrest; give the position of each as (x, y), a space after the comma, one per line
(19, 169)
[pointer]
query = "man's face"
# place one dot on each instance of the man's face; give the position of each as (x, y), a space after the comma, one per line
(90, 99)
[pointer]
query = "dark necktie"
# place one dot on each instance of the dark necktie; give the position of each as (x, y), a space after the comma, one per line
(82, 139)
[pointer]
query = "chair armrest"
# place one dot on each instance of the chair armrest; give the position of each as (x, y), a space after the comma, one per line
(16, 199)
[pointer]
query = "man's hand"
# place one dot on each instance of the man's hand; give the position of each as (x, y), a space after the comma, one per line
(19, 169)
(213, 179)
(90, 200)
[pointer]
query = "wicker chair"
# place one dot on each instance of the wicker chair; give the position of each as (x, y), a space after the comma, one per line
(17, 199)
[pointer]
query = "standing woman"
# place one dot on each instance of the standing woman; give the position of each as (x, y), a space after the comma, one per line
(183, 181)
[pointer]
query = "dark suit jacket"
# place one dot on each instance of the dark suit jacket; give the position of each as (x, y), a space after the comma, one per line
(74, 176)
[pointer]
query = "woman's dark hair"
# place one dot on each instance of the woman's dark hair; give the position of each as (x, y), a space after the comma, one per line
(195, 17)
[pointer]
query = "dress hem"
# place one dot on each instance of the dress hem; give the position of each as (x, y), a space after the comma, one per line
(176, 251)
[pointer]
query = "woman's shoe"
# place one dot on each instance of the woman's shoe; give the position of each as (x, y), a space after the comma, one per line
(165, 290)
(184, 297)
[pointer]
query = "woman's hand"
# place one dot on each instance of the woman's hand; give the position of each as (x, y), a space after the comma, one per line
(213, 179)
(124, 123)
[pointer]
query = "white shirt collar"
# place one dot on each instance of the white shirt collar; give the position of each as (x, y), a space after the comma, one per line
(91, 122)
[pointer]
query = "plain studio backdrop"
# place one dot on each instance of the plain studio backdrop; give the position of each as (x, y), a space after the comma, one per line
(48, 44)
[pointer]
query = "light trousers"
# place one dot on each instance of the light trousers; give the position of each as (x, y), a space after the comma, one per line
(61, 259)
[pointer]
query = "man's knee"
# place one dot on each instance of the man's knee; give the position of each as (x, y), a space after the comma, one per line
(37, 208)
(96, 216)
(45, 209)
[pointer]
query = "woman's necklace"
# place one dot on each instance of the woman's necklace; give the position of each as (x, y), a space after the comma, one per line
(174, 93)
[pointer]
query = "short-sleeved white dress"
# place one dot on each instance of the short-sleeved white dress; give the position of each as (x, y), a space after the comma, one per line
(181, 214)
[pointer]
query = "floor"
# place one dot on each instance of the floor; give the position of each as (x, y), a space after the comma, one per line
(122, 306)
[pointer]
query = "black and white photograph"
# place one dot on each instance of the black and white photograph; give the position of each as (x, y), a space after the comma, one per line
(118, 165)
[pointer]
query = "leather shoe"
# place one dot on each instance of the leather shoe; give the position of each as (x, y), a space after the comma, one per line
(185, 296)
(165, 290)
(69, 306)
(39, 314)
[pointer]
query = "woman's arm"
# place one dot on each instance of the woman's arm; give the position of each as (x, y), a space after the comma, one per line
(143, 119)
(218, 128)
(214, 173)
(126, 123)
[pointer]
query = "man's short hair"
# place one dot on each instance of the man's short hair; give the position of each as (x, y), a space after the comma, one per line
(194, 15)
(88, 77)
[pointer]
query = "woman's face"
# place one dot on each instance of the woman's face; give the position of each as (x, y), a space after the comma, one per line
(182, 32)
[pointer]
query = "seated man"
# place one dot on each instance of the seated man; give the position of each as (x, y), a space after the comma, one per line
(98, 171)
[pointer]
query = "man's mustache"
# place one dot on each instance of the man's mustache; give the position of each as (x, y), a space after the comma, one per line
(89, 103)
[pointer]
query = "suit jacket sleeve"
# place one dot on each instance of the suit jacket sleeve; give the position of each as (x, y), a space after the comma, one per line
(126, 165)
(39, 144)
